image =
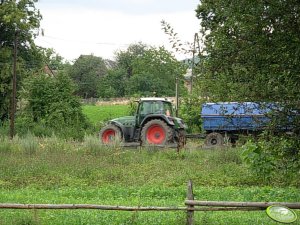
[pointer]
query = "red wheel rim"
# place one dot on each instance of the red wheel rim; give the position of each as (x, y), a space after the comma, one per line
(108, 136)
(156, 134)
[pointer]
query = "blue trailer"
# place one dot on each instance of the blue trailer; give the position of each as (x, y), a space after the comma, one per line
(230, 119)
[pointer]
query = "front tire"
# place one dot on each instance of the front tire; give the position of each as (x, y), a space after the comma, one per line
(156, 132)
(110, 134)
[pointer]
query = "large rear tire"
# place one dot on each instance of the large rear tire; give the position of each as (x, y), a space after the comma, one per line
(156, 132)
(214, 140)
(110, 134)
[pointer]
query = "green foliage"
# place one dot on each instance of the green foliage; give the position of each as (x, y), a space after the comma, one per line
(259, 160)
(54, 61)
(252, 53)
(189, 111)
(125, 59)
(19, 21)
(113, 84)
(6, 145)
(29, 144)
(86, 73)
(143, 70)
(92, 145)
(51, 104)
(155, 71)
(273, 158)
(252, 50)
(177, 44)
(133, 105)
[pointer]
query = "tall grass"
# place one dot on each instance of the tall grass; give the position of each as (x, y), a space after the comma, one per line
(29, 144)
(51, 170)
(6, 145)
(69, 161)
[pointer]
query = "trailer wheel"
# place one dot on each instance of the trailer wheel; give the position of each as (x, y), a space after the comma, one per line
(110, 134)
(156, 132)
(214, 139)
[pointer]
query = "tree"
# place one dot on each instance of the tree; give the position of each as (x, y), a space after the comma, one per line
(18, 19)
(253, 49)
(54, 61)
(143, 70)
(86, 73)
(126, 58)
(113, 84)
(51, 102)
(252, 53)
(155, 71)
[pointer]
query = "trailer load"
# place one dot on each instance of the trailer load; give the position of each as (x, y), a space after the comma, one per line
(229, 119)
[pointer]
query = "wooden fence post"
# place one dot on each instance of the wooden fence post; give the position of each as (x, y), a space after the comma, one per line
(190, 196)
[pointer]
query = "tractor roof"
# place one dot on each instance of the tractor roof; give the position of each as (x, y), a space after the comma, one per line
(154, 99)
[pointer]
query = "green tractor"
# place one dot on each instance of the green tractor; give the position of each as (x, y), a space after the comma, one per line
(153, 124)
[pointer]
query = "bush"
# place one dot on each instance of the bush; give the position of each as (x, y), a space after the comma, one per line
(273, 157)
(190, 112)
(52, 107)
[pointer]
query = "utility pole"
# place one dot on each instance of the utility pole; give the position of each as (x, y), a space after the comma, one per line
(177, 96)
(196, 40)
(14, 88)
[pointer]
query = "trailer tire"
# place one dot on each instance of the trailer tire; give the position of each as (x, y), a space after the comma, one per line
(214, 140)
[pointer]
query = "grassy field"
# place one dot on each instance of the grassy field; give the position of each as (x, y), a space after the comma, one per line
(50, 170)
(96, 114)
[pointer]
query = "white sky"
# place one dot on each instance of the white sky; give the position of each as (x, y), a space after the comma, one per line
(101, 27)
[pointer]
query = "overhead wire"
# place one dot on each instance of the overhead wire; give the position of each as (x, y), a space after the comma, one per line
(83, 42)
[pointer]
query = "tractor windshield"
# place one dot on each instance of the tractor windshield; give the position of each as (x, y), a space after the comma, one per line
(156, 107)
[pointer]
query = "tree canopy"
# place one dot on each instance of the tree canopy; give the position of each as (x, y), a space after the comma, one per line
(149, 70)
(86, 72)
(252, 53)
(19, 20)
(252, 49)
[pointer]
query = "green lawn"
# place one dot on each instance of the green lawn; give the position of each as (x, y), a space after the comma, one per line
(50, 170)
(101, 113)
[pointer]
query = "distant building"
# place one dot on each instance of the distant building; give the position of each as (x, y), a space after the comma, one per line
(47, 70)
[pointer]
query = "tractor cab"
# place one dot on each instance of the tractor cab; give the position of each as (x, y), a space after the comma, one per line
(151, 107)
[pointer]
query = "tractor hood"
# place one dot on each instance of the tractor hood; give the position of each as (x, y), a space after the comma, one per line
(126, 121)
(178, 122)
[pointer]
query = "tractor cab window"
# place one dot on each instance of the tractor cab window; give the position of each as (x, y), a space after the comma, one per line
(145, 108)
(156, 107)
(168, 109)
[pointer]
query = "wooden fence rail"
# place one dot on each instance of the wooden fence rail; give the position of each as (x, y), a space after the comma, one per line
(191, 206)
(89, 206)
(262, 205)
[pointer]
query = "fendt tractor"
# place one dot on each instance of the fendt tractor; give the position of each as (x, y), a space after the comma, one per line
(154, 124)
